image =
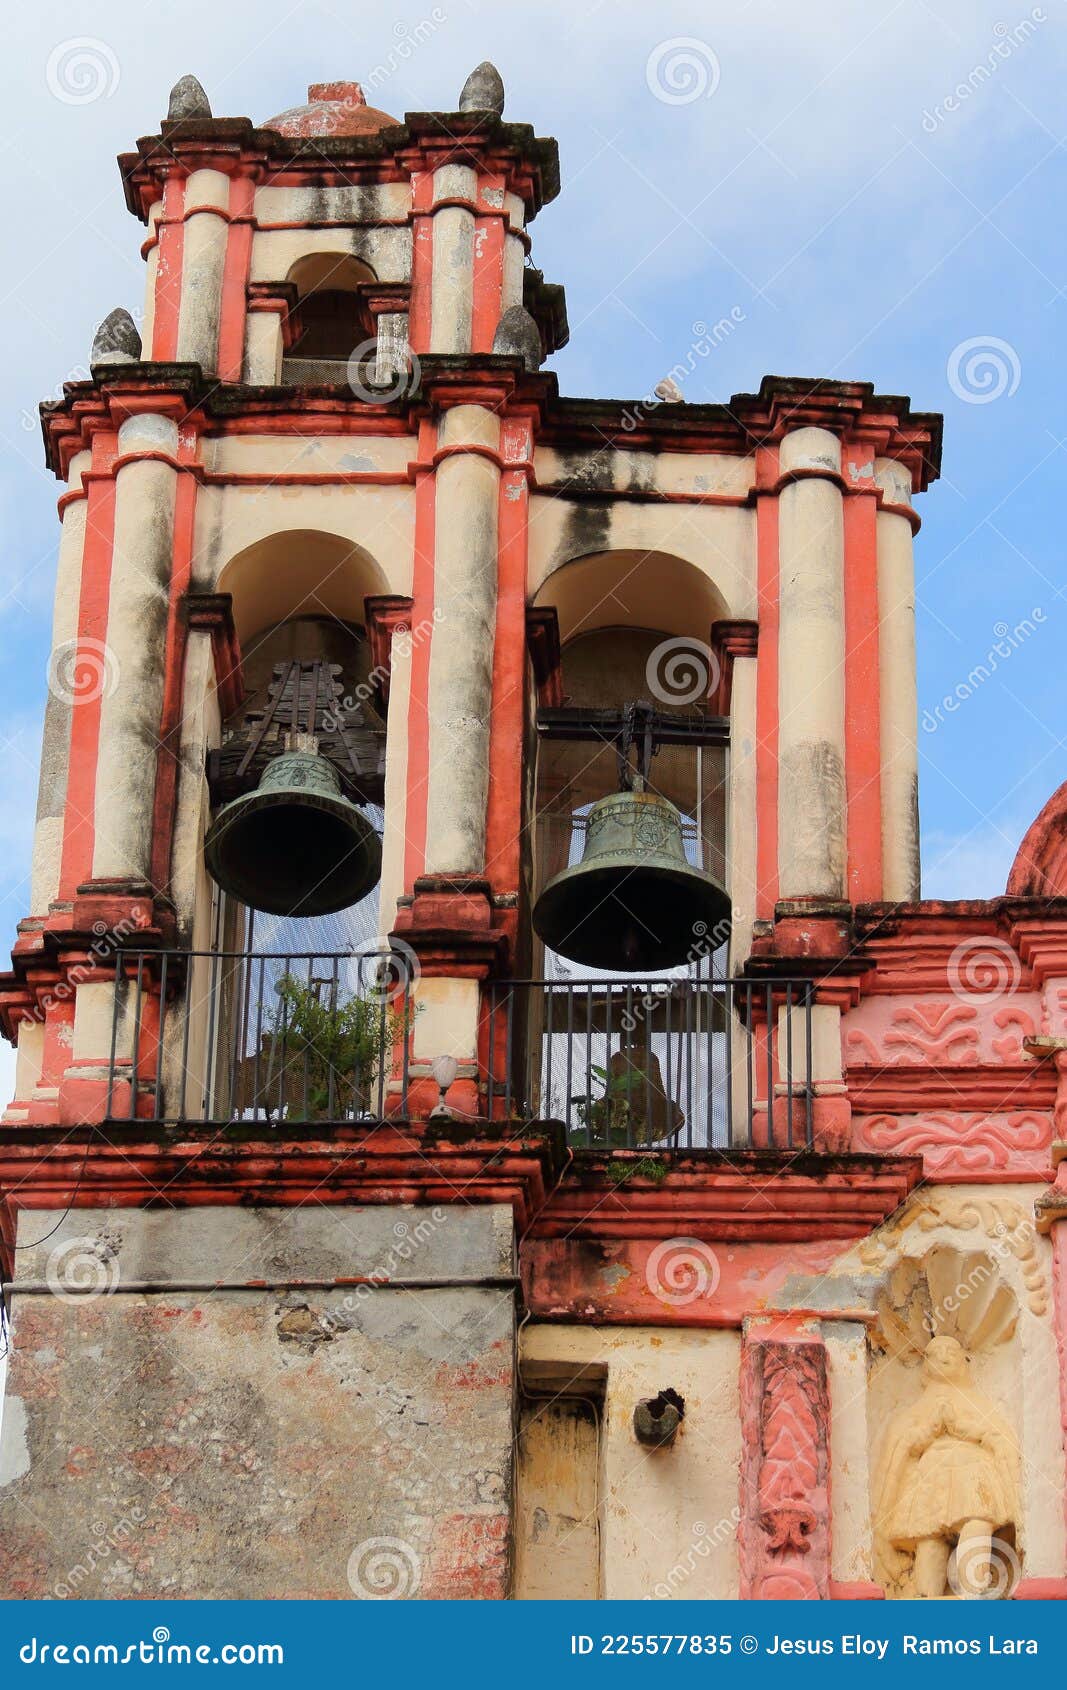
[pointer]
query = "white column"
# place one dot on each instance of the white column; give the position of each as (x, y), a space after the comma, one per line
(461, 650)
(811, 670)
(452, 282)
(63, 691)
(207, 199)
(132, 701)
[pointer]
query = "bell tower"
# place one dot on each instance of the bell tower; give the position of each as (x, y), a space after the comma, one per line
(475, 954)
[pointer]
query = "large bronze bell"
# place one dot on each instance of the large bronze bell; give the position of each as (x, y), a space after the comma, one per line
(296, 845)
(633, 903)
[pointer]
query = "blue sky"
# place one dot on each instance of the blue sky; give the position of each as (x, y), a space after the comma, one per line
(817, 184)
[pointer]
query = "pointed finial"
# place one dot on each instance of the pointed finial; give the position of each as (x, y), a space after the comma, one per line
(518, 335)
(116, 341)
(483, 90)
(187, 99)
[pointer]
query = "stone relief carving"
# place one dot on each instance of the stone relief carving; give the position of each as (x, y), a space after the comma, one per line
(950, 1293)
(946, 1496)
(1006, 1224)
(784, 1538)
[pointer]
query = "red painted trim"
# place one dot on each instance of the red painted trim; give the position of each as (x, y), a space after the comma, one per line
(169, 274)
(422, 595)
(78, 824)
(490, 233)
(504, 814)
(767, 687)
(235, 274)
(167, 763)
(421, 261)
(863, 752)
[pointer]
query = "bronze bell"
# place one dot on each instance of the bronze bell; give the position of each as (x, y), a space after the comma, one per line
(296, 845)
(633, 904)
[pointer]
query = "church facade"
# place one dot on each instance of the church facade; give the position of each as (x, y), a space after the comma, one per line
(495, 1117)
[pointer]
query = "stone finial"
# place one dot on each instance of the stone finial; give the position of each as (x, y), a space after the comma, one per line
(187, 99)
(518, 335)
(116, 341)
(483, 90)
(668, 392)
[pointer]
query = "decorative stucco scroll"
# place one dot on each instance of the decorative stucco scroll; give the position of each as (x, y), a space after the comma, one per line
(1006, 1224)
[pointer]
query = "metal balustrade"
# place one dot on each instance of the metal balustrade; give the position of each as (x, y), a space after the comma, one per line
(689, 1064)
(229, 1036)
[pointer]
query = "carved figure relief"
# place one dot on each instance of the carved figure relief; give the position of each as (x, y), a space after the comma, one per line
(946, 1501)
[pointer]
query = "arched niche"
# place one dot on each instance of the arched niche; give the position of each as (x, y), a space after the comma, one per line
(634, 626)
(631, 588)
(298, 573)
(333, 319)
(299, 595)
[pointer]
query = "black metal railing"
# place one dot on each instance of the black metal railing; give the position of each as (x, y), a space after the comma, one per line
(225, 1036)
(687, 1064)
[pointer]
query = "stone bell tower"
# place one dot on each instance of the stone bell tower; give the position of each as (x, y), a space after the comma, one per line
(272, 1201)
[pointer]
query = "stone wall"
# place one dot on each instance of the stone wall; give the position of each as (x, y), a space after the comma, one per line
(312, 1439)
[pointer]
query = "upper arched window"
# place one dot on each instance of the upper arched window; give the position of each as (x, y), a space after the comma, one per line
(332, 316)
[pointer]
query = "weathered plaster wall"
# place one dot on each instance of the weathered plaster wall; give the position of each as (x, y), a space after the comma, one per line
(668, 1517)
(260, 1443)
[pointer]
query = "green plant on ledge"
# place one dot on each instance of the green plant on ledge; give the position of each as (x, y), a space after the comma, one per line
(632, 1110)
(321, 1055)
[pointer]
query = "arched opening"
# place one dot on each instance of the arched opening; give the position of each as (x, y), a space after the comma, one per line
(287, 1014)
(642, 1058)
(332, 315)
(298, 599)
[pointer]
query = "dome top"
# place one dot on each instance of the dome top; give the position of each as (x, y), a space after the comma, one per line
(333, 108)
